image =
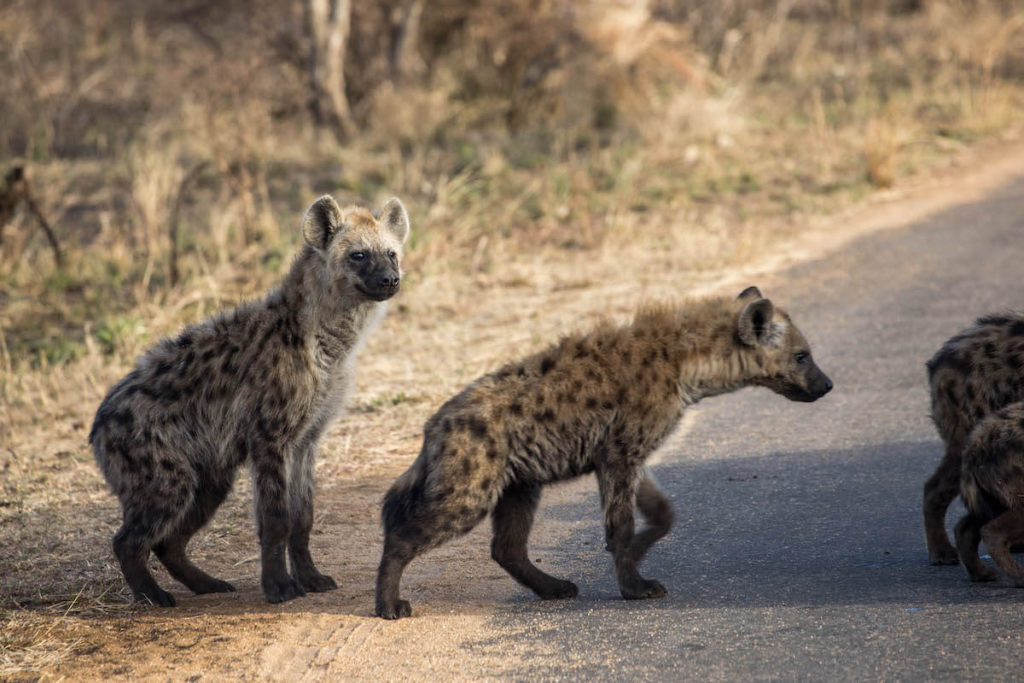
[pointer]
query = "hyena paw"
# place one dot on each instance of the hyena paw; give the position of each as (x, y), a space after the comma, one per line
(156, 596)
(559, 590)
(317, 583)
(643, 589)
(396, 610)
(939, 556)
(982, 575)
(282, 590)
(212, 586)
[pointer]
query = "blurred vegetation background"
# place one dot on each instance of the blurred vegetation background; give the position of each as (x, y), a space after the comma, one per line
(164, 151)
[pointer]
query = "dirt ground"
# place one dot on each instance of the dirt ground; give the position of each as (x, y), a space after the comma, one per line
(95, 633)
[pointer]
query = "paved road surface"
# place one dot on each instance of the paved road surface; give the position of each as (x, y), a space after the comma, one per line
(798, 551)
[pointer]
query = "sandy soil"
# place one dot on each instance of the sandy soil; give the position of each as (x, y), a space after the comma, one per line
(454, 590)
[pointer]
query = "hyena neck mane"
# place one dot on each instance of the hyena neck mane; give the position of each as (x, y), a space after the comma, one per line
(700, 343)
(334, 322)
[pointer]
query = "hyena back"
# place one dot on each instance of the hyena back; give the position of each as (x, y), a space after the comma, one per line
(992, 485)
(600, 402)
(257, 384)
(975, 373)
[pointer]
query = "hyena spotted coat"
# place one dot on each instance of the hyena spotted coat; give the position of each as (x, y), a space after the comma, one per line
(992, 485)
(600, 402)
(975, 373)
(257, 385)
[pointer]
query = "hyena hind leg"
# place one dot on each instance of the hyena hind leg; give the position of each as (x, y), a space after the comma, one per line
(171, 550)
(512, 519)
(998, 535)
(657, 511)
(411, 527)
(132, 544)
(968, 535)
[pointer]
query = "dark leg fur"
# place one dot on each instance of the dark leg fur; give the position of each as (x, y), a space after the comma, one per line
(512, 519)
(303, 569)
(939, 491)
(998, 534)
(273, 524)
(968, 535)
(657, 510)
(398, 553)
(412, 525)
(171, 550)
(131, 546)
(617, 484)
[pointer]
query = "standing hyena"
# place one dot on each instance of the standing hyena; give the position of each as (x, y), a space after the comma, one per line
(992, 484)
(600, 402)
(259, 383)
(974, 374)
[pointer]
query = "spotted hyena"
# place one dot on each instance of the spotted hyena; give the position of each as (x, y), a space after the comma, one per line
(992, 485)
(598, 402)
(258, 384)
(974, 374)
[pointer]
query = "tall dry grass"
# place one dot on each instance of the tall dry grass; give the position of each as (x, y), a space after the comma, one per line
(172, 145)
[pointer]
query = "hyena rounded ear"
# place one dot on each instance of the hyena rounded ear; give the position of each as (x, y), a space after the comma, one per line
(750, 292)
(322, 221)
(394, 219)
(754, 326)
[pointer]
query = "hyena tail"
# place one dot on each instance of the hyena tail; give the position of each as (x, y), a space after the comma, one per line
(405, 497)
(982, 502)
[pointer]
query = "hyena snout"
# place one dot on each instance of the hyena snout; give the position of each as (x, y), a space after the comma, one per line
(807, 384)
(817, 385)
(380, 282)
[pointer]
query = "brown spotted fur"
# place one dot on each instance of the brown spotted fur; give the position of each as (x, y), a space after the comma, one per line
(257, 385)
(598, 402)
(992, 485)
(975, 373)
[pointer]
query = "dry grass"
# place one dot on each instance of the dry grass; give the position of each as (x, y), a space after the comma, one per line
(559, 165)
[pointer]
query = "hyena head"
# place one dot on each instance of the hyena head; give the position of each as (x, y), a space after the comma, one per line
(362, 252)
(782, 355)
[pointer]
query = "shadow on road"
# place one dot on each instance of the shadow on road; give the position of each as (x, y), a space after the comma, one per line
(807, 529)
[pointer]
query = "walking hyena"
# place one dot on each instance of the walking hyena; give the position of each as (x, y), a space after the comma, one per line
(259, 383)
(992, 484)
(974, 374)
(598, 402)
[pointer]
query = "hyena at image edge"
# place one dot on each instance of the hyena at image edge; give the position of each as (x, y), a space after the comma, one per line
(599, 402)
(992, 486)
(974, 374)
(258, 384)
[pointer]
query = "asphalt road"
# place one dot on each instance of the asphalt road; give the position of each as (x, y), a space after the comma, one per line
(798, 551)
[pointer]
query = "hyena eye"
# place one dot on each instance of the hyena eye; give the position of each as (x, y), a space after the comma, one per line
(801, 357)
(392, 254)
(357, 255)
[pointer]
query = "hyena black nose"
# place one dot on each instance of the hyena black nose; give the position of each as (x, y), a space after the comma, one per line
(388, 282)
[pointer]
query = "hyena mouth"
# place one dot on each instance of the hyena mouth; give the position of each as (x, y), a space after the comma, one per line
(379, 294)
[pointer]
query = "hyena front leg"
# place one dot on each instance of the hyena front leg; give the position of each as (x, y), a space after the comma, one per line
(657, 511)
(968, 535)
(512, 519)
(939, 491)
(300, 488)
(617, 482)
(273, 521)
(998, 534)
